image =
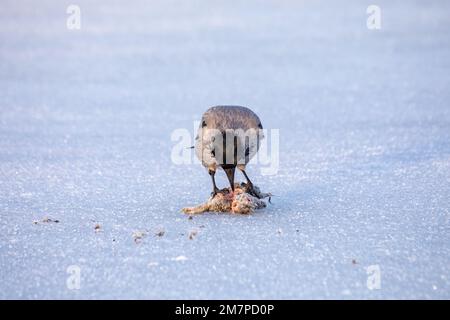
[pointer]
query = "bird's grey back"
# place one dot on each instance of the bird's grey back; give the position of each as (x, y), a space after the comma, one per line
(230, 117)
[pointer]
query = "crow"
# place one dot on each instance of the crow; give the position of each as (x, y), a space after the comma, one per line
(228, 137)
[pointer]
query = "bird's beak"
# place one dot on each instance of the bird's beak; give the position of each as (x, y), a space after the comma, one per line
(230, 176)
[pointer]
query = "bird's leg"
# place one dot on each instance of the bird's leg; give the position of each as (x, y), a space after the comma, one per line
(215, 189)
(230, 175)
(249, 183)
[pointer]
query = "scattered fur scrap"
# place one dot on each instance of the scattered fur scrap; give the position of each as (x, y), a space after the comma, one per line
(243, 201)
(193, 234)
(160, 232)
(46, 220)
(139, 235)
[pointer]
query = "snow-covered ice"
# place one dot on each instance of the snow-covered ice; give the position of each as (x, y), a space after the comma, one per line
(86, 118)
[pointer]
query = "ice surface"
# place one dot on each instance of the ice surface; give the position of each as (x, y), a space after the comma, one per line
(86, 118)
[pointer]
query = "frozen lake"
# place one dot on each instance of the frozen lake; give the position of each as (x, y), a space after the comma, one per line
(86, 117)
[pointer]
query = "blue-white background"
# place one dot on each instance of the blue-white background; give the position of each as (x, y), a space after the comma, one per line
(86, 118)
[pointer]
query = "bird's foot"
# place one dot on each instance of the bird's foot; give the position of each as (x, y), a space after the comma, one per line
(214, 192)
(250, 189)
